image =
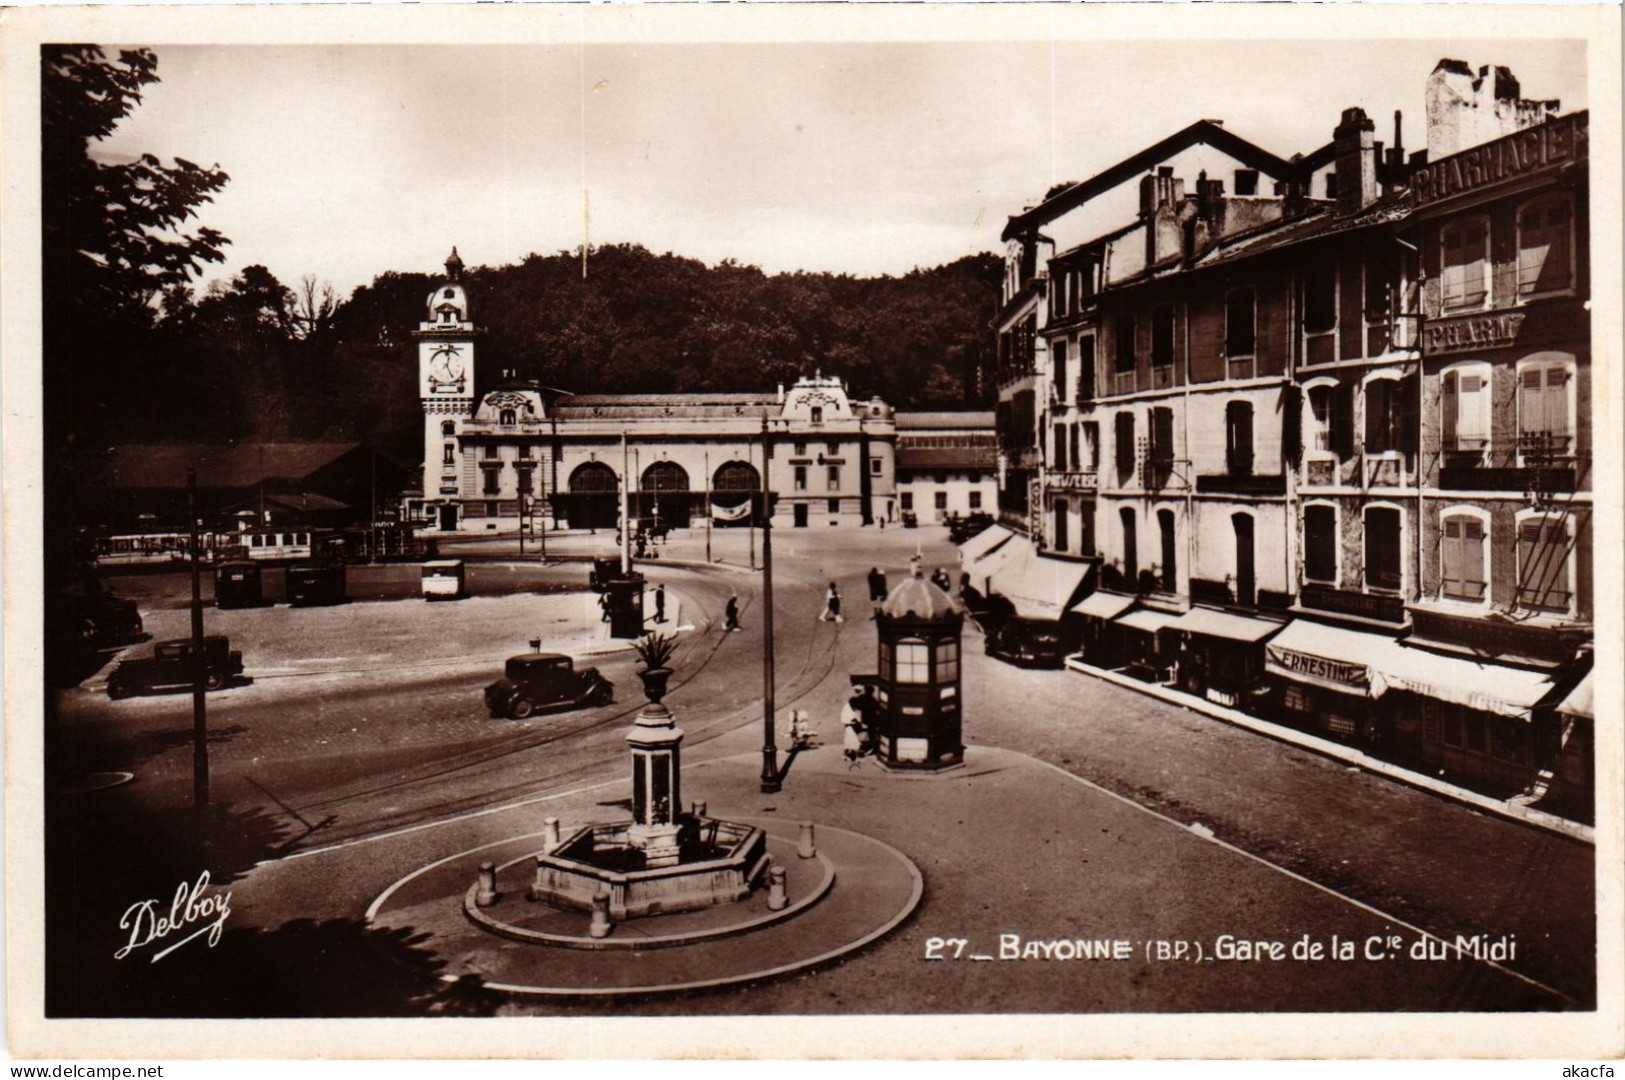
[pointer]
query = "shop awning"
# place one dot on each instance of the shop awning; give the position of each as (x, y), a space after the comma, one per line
(1485, 686)
(981, 571)
(1148, 621)
(1103, 605)
(1221, 624)
(1578, 703)
(1329, 657)
(981, 544)
(1355, 662)
(1038, 587)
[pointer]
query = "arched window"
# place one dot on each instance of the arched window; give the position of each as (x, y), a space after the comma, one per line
(1170, 551)
(665, 476)
(1384, 548)
(1320, 543)
(448, 428)
(1545, 557)
(1131, 546)
(1463, 554)
(1546, 405)
(1545, 246)
(736, 476)
(1464, 408)
(448, 454)
(1465, 264)
(507, 418)
(594, 478)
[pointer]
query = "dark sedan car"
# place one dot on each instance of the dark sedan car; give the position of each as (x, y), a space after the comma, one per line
(170, 668)
(545, 682)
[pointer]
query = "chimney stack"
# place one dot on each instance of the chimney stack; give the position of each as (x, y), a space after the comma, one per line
(1354, 144)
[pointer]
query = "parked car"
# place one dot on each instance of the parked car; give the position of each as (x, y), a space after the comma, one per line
(87, 616)
(545, 682)
(604, 570)
(238, 584)
(444, 579)
(309, 584)
(961, 529)
(1029, 643)
(170, 668)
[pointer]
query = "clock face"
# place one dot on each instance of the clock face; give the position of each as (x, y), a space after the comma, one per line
(446, 367)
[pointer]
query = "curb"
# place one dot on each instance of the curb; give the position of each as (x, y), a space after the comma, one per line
(1326, 748)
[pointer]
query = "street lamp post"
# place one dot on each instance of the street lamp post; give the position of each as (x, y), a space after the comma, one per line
(770, 752)
(200, 718)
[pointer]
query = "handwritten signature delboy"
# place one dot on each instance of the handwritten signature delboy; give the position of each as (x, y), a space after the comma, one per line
(189, 906)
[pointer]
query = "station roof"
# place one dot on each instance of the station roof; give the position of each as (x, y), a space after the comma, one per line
(944, 421)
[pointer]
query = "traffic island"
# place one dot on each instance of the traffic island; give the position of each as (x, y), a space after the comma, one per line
(665, 901)
(851, 893)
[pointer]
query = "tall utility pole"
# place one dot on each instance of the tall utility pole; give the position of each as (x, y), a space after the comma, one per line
(770, 752)
(200, 720)
(707, 466)
(626, 484)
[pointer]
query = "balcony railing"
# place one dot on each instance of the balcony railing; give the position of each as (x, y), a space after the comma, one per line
(1249, 483)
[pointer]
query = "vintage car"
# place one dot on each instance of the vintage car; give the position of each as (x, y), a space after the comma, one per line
(309, 584)
(89, 617)
(238, 584)
(170, 668)
(1028, 642)
(961, 529)
(444, 579)
(605, 570)
(545, 682)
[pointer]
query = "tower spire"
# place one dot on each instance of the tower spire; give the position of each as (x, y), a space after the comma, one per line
(454, 265)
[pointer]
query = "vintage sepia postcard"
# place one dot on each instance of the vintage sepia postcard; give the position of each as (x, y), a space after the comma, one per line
(1051, 531)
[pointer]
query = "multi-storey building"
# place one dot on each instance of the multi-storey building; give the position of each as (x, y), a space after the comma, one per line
(502, 454)
(1357, 402)
(947, 464)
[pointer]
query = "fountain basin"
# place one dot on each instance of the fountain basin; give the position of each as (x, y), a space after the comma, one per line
(719, 863)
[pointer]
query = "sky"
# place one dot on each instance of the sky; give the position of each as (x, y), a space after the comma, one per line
(347, 161)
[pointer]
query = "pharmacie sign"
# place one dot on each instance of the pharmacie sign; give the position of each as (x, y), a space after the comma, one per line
(1550, 144)
(1470, 332)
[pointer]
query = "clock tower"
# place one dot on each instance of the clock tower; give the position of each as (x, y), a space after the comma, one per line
(446, 387)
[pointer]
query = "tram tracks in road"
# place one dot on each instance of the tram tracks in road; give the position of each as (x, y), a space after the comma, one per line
(814, 666)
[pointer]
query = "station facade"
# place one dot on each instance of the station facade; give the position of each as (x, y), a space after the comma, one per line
(501, 453)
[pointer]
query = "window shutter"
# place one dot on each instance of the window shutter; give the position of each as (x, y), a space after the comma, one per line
(1543, 564)
(1450, 562)
(1449, 409)
(1343, 420)
(1472, 558)
(1377, 419)
(1406, 416)
(1319, 543)
(1292, 424)
(1471, 434)
(1125, 446)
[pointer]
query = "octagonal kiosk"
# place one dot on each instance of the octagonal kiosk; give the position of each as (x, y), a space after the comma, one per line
(918, 722)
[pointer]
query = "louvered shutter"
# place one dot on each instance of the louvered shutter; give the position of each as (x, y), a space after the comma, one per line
(1449, 409)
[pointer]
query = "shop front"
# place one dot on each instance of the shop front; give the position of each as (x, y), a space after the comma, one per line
(1100, 639)
(1221, 657)
(1148, 649)
(1325, 679)
(1038, 590)
(1476, 718)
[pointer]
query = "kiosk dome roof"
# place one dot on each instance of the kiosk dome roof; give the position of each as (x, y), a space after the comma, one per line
(916, 598)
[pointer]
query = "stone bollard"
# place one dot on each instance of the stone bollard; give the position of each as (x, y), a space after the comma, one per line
(551, 836)
(600, 926)
(486, 894)
(777, 898)
(804, 846)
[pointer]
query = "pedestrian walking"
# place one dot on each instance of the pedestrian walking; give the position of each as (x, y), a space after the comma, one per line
(854, 737)
(801, 734)
(603, 602)
(877, 584)
(832, 605)
(868, 710)
(660, 603)
(939, 578)
(730, 613)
